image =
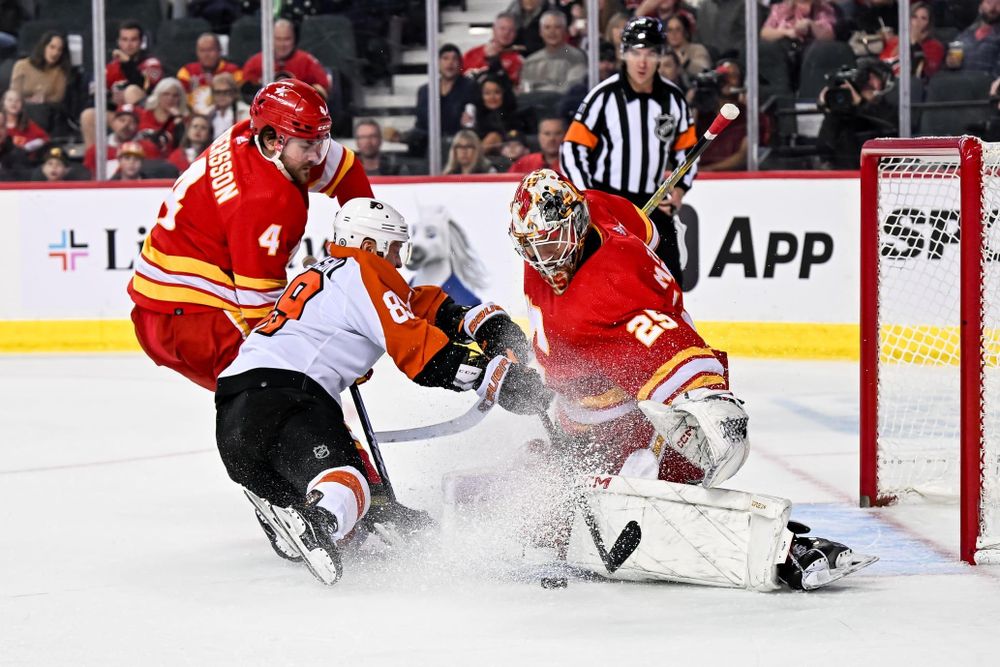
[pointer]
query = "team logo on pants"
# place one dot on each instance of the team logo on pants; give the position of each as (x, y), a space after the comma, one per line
(321, 452)
(666, 125)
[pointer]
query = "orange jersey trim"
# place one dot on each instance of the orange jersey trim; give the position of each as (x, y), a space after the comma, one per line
(664, 371)
(646, 221)
(351, 482)
(686, 140)
(578, 133)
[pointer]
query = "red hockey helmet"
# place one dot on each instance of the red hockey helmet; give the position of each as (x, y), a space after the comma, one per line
(293, 108)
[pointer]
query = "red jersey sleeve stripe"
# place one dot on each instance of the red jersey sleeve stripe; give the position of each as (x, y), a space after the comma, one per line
(189, 265)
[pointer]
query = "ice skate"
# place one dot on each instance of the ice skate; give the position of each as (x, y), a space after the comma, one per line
(814, 562)
(280, 546)
(307, 530)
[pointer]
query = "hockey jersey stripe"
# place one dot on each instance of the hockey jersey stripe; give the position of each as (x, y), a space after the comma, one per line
(260, 284)
(184, 294)
(652, 238)
(668, 369)
(239, 297)
(177, 264)
(352, 480)
(683, 377)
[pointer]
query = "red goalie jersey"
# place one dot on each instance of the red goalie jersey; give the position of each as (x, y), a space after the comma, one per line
(619, 333)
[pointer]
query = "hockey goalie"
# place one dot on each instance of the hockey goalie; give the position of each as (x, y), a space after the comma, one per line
(648, 427)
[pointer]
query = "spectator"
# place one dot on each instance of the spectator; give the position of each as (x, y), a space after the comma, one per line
(54, 167)
(867, 17)
(551, 131)
(496, 113)
(664, 9)
(197, 77)
(927, 53)
(227, 107)
(694, 57)
(980, 42)
(514, 147)
(671, 70)
(528, 14)
(124, 127)
(799, 22)
(609, 61)
(368, 138)
(613, 33)
(728, 152)
(287, 58)
(722, 26)
(853, 113)
(162, 123)
(41, 78)
(498, 54)
(466, 155)
(558, 66)
(197, 137)
(129, 64)
(24, 132)
(577, 16)
(13, 160)
(130, 159)
(456, 92)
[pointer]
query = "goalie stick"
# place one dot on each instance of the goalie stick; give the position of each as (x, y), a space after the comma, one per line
(628, 539)
(728, 114)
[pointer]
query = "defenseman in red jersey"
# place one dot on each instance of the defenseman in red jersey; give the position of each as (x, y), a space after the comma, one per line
(214, 263)
(611, 331)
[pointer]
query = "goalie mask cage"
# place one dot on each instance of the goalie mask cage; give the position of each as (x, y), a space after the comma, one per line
(930, 330)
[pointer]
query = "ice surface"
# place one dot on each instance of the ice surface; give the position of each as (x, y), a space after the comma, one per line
(123, 542)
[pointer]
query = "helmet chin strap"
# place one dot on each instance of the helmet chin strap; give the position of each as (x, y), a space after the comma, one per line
(274, 159)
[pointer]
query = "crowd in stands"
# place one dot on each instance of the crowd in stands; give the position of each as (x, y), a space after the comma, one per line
(505, 103)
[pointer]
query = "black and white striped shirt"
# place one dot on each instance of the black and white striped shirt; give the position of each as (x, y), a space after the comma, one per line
(624, 142)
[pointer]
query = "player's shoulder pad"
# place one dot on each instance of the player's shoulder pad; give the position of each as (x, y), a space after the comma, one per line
(373, 265)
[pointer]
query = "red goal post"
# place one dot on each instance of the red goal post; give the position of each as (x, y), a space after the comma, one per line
(930, 330)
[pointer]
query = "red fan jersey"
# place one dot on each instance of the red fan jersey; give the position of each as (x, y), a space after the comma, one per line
(228, 227)
(619, 333)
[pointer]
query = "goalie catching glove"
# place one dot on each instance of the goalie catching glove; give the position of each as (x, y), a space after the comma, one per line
(516, 387)
(707, 427)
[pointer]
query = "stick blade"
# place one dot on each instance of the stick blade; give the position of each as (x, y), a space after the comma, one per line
(626, 544)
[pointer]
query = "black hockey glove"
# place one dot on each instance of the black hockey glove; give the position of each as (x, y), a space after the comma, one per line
(450, 319)
(491, 327)
(518, 388)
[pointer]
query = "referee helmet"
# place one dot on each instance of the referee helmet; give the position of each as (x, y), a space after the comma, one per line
(643, 32)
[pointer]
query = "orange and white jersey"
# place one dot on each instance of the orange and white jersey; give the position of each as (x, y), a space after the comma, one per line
(337, 318)
(228, 226)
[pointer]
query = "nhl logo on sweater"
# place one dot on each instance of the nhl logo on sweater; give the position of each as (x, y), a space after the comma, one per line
(666, 126)
(321, 452)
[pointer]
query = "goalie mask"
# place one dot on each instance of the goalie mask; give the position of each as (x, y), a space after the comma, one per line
(365, 218)
(549, 219)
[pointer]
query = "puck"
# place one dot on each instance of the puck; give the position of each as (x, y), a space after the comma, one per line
(554, 582)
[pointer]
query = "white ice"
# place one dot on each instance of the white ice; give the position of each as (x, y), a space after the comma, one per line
(123, 542)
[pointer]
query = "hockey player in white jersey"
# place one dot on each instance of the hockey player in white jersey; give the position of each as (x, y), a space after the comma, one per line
(280, 426)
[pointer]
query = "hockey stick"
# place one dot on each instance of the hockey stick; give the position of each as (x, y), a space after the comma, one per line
(728, 114)
(627, 541)
(463, 422)
(366, 426)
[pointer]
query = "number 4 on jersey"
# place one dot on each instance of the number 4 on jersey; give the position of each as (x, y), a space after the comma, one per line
(271, 239)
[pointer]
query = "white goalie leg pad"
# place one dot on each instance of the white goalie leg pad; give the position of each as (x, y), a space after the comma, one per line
(715, 537)
(345, 495)
(707, 427)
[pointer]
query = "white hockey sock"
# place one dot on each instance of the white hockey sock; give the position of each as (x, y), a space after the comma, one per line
(345, 495)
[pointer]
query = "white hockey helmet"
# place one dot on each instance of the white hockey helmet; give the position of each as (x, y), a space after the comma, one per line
(549, 219)
(366, 218)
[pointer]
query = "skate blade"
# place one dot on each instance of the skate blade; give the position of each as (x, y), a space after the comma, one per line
(857, 562)
(321, 563)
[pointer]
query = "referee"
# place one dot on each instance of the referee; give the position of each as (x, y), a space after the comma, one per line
(631, 131)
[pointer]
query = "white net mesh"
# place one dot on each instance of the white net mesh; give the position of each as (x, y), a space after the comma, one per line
(918, 324)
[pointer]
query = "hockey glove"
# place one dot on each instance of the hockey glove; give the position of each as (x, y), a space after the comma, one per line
(516, 387)
(491, 327)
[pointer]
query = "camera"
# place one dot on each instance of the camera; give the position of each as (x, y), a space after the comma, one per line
(839, 99)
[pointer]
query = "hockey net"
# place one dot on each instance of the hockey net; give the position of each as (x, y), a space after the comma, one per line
(930, 329)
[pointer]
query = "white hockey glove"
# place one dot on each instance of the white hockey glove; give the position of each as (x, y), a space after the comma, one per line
(491, 327)
(516, 387)
(706, 427)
